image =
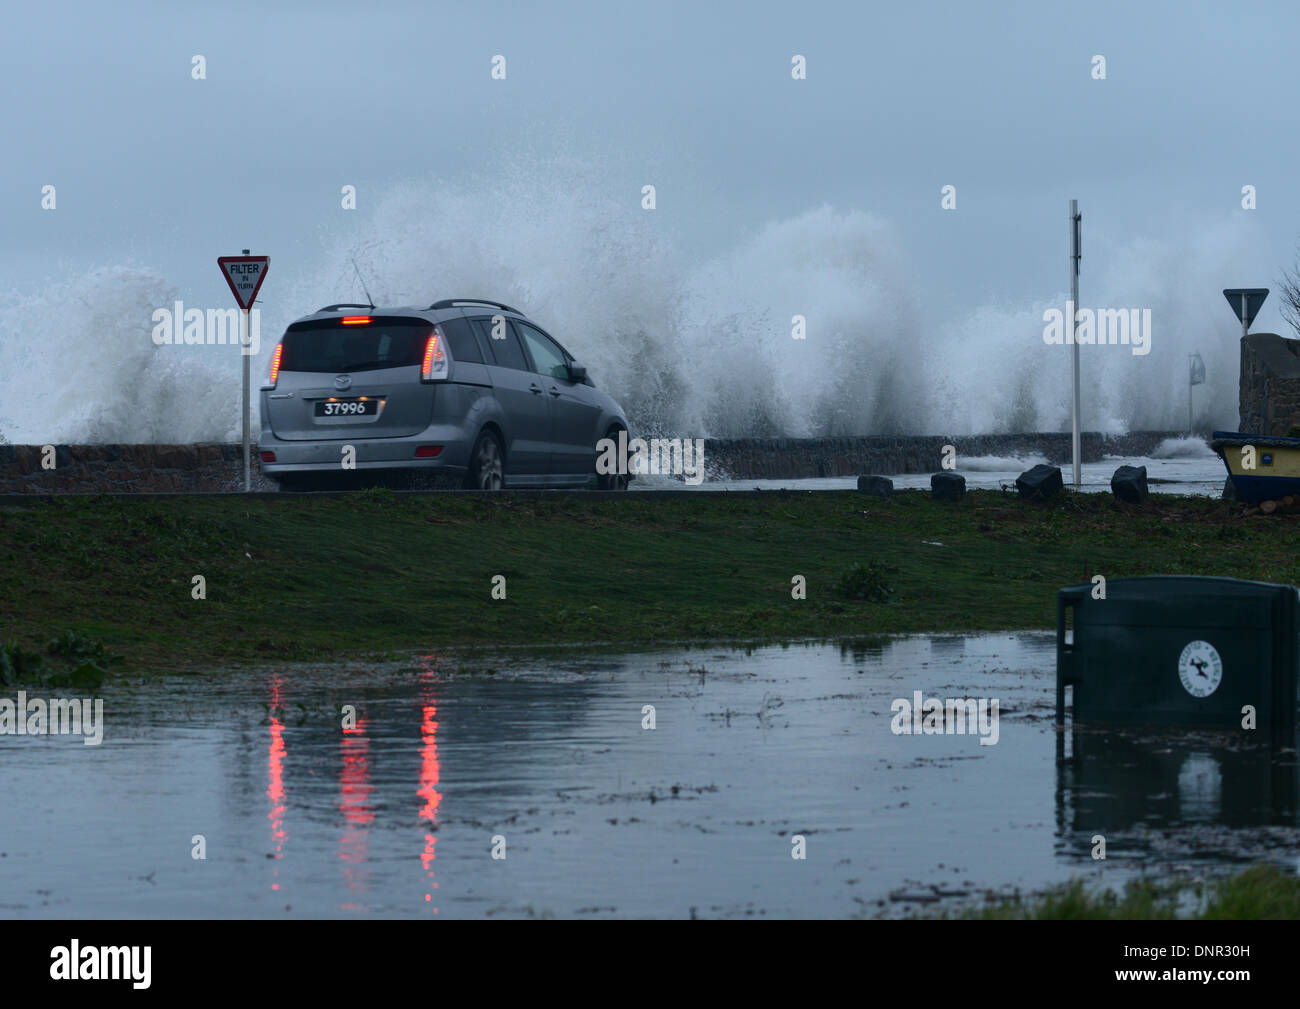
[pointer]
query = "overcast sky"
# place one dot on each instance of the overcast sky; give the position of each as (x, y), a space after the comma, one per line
(157, 169)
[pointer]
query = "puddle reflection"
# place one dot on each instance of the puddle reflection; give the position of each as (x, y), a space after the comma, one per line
(275, 789)
(394, 815)
(1117, 781)
(429, 775)
(355, 789)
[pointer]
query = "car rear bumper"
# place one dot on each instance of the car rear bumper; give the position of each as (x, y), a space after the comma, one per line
(274, 470)
(367, 453)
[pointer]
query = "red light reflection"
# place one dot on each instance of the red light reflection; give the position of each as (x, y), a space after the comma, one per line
(429, 773)
(354, 803)
(275, 789)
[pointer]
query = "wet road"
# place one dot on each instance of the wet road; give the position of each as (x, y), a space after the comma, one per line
(545, 760)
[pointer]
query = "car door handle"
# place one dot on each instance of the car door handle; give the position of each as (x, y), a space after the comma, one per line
(535, 389)
(555, 391)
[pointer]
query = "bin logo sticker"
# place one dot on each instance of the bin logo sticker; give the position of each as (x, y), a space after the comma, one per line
(1200, 668)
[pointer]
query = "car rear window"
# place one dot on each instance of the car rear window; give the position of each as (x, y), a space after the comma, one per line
(328, 345)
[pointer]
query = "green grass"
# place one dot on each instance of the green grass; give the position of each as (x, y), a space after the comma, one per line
(319, 578)
(1262, 892)
(67, 660)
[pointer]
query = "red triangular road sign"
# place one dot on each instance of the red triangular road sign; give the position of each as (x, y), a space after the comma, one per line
(244, 274)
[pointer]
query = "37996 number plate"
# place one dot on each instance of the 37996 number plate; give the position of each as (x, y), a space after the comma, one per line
(347, 407)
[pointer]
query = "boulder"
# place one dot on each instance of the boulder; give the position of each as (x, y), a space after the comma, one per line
(880, 486)
(947, 486)
(1042, 481)
(1130, 484)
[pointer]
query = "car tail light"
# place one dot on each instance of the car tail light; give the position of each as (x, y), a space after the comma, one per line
(268, 456)
(428, 451)
(434, 367)
(275, 365)
(356, 320)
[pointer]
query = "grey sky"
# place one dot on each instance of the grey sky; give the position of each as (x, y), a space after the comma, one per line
(159, 170)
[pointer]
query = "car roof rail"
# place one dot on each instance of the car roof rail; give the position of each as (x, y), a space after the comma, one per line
(346, 304)
(453, 302)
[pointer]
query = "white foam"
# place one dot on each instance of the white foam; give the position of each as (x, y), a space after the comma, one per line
(1183, 448)
(999, 463)
(79, 364)
(692, 347)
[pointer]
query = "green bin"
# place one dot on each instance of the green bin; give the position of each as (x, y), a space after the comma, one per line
(1179, 650)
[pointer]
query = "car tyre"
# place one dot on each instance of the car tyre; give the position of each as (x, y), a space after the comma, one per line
(611, 481)
(487, 469)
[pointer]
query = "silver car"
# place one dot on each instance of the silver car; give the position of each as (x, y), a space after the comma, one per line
(464, 391)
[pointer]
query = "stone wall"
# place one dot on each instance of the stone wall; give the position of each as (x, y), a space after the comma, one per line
(1270, 383)
(93, 469)
(789, 458)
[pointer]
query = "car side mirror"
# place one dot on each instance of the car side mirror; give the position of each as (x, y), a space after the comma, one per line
(577, 372)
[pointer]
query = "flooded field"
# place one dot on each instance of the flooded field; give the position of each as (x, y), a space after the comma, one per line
(548, 761)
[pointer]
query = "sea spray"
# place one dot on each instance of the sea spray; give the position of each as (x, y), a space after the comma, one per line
(691, 346)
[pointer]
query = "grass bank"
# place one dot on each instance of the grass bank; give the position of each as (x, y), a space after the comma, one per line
(1260, 893)
(317, 578)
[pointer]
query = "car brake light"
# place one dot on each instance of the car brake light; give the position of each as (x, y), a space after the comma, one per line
(275, 364)
(428, 451)
(268, 457)
(435, 361)
(356, 320)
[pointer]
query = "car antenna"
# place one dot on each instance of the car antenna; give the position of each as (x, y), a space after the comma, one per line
(363, 282)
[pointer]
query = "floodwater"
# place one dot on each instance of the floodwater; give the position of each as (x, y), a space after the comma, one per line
(1186, 467)
(545, 759)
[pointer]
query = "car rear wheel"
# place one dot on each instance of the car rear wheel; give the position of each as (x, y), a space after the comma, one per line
(486, 468)
(611, 481)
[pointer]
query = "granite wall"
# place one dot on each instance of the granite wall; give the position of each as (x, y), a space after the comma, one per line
(1270, 384)
(93, 469)
(788, 458)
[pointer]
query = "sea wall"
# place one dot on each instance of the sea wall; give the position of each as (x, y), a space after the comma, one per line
(789, 458)
(95, 469)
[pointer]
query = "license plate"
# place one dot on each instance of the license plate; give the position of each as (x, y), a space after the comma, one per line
(347, 407)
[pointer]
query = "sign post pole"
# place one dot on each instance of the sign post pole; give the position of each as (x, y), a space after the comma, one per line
(244, 338)
(1195, 377)
(1075, 253)
(1246, 303)
(245, 274)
